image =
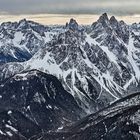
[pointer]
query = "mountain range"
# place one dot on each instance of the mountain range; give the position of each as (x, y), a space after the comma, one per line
(70, 81)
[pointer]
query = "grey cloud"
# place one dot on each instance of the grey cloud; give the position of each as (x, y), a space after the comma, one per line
(70, 6)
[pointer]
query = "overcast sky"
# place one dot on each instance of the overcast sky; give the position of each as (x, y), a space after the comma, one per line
(116, 7)
(60, 11)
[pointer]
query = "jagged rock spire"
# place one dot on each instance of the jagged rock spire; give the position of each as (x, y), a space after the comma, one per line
(73, 25)
(103, 18)
(113, 20)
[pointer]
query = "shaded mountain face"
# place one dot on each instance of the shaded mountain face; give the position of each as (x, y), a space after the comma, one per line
(120, 121)
(33, 102)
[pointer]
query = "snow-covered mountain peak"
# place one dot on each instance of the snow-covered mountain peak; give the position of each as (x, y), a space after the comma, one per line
(23, 24)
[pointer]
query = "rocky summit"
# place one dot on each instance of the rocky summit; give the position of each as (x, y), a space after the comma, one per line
(72, 81)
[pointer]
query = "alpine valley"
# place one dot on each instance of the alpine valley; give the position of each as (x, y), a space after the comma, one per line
(70, 82)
